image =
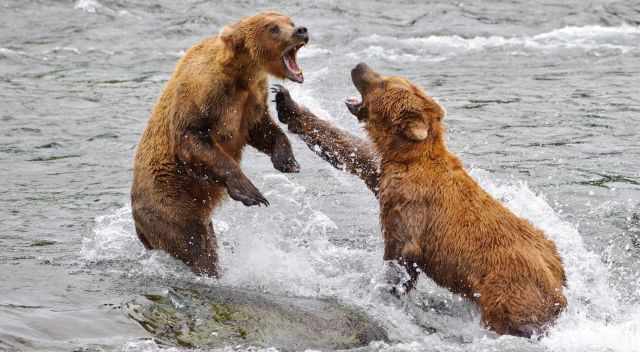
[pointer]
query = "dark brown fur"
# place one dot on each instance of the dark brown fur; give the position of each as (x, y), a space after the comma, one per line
(435, 217)
(214, 104)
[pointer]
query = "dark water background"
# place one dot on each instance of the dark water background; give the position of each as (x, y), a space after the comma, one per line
(543, 103)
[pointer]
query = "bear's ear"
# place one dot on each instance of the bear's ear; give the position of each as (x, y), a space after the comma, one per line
(412, 126)
(232, 36)
(416, 130)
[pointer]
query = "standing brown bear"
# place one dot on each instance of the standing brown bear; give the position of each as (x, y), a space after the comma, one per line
(214, 104)
(435, 217)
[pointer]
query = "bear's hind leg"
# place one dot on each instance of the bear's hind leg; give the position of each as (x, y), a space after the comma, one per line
(401, 275)
(205, 257)
(143, 239)
(194, 243)
(514, 308)
(190, 240)
(143, 220)
(414, 272)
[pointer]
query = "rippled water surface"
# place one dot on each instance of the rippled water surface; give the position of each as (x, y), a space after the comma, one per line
(543, 105)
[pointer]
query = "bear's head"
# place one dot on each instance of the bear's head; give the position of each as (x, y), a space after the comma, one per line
(401, 119)
(271, 40)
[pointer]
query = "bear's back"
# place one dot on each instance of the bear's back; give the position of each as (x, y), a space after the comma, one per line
(463, 233)
(155, 163)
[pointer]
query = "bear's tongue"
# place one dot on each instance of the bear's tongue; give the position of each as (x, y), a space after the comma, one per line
(294, 72)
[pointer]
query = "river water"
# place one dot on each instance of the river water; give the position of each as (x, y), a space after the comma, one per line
(543, 105)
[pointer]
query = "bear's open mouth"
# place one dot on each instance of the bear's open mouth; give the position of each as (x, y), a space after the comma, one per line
(289, 59)
(354, 105)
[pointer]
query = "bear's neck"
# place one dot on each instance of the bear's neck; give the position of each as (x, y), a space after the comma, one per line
(242, 67)
(430, 151)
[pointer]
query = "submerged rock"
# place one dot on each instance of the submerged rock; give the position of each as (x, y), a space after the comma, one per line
(221, 316)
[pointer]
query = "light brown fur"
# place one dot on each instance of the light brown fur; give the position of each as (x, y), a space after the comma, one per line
(434, 216)
(214, 104)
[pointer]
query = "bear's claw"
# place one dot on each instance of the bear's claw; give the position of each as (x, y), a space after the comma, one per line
(284, 104)
(242, 190)
(285, 163)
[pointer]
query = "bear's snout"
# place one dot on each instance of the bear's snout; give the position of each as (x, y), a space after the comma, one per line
(363, 76)
(301, 33)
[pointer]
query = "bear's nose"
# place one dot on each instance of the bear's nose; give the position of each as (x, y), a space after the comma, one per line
(361, 67)
(302, 33)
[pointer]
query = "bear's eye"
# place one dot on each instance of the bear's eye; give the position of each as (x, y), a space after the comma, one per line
(275, 29)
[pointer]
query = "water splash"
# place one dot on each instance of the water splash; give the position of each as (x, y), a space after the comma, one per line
(113, 238)
(594, 319)
(288, 250)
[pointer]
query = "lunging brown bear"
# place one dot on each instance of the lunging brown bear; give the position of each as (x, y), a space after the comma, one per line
(214, 104)
(435, 217)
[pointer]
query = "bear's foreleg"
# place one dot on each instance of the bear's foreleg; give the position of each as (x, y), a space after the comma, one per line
(339, 148)
(401, 267)
(268, 138)
(197, 149)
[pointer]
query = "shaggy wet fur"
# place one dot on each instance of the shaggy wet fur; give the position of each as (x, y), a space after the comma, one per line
(214, 104)
(435, 218)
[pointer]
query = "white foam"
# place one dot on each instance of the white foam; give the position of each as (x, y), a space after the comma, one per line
(152, 346)
(579, 332)
(59, 49)
(89, 6)
(95, 7)
(590, 32)
(378, 52)
(178, 54)
(6, 51)
(438, 47)
(278, 252)
(113, 237)
(146, 346)
(313, 51)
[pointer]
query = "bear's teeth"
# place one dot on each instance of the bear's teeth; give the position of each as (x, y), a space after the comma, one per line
(290, 60)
